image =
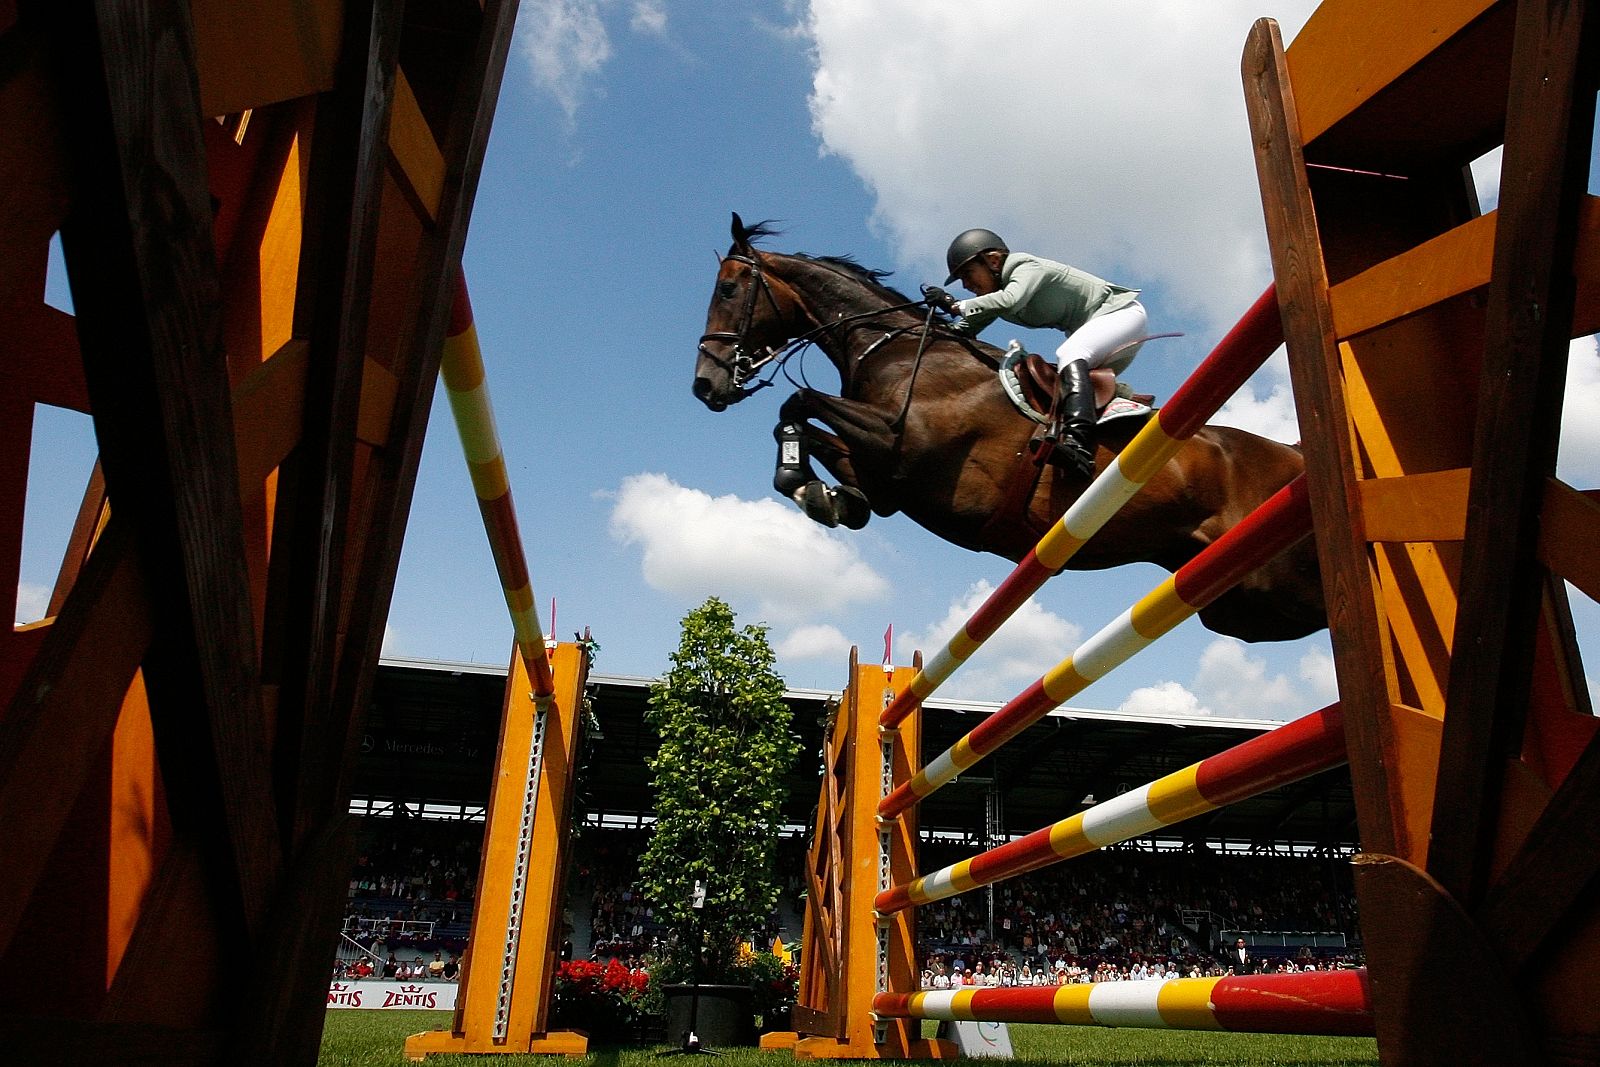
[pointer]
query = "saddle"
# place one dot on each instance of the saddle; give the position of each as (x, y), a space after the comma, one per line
(1030, 380)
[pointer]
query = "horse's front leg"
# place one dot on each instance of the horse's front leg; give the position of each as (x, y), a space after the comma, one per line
(798, 441)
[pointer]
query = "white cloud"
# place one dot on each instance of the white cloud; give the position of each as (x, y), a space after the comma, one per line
(759, 554)
(1579, 459)
(32, 602)
(1163, 698)
(816, 641)
(1486, 178)
(1265, 405)
(1231, 682)
(565, 45)
(1316, 670)
(1031, 642)
(1070, 128)
(1234, 683)
(649, 16)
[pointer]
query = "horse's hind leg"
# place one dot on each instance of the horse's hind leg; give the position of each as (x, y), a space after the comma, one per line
(795, 478)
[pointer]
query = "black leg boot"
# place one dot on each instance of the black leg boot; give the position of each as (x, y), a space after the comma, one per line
(1073, 429)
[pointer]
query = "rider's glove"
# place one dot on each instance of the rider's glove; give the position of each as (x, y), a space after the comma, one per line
(941, 300)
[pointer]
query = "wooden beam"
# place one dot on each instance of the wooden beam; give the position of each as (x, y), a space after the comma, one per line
(143, 273)
(1569, 535)
(394, 469)
(1527, 323)
(415, 154)
(1314, 364)
(64, 712)
(306, 590)
(1451, 264)
(1554, 870)
(1344, 56)
(1415, 507)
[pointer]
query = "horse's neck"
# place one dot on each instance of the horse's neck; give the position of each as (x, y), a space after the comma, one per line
(829, 295)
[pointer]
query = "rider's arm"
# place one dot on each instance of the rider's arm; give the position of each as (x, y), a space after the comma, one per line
(977, 312)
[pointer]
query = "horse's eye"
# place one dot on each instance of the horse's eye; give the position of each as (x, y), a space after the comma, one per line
(725, 290)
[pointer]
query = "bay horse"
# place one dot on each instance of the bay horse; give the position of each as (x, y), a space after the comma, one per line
(922, 425)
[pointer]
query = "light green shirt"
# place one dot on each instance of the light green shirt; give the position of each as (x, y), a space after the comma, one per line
(1038, 292)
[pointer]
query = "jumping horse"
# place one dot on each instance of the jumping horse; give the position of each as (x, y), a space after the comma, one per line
(922, 425)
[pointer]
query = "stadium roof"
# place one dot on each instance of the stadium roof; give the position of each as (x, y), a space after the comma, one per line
(433, 727)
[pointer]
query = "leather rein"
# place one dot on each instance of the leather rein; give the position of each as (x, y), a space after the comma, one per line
(744, 362)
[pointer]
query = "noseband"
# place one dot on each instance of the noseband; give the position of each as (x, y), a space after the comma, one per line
(742, 363)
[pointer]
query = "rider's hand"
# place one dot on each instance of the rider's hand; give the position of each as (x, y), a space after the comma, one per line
(941, 300)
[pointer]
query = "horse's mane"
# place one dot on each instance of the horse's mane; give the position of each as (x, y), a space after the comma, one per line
(844, 264)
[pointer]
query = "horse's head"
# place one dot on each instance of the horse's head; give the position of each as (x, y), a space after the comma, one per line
(752, 314)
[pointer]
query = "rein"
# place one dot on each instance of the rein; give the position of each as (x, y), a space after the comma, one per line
(742, 365)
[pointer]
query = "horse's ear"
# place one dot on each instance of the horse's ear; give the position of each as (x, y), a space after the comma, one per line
(741, 236)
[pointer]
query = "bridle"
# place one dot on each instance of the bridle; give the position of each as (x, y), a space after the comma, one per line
(743, 361)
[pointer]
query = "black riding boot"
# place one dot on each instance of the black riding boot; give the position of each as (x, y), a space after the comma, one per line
(1072, 432)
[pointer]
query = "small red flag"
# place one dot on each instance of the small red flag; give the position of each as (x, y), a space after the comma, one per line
(888, 645)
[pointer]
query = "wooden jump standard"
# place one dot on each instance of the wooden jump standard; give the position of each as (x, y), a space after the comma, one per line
(503, 1000)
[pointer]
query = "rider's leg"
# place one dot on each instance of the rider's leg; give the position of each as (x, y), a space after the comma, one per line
(1107, 345)
(1072, 432)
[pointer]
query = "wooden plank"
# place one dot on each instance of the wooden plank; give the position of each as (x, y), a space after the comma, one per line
(1416, 507)
(251, 55)
(395, 467)
(1388, 96)
(64, 712)
(94, 1043)
(1553, 871)
(42, 358)
(283, 982)
(86, 528)
(1314, 366)
(143, 274)
(1348, 51)
(415, 154)
(1451, 264)
(1428, 936)
(1569, 535)
(1527, 325)
(311, 521)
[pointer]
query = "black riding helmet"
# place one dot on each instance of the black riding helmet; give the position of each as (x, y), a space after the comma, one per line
(968, 246)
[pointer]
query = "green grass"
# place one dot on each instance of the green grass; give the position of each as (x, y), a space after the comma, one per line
(374, 1039)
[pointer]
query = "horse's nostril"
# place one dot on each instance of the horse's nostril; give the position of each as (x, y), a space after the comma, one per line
(703, 392)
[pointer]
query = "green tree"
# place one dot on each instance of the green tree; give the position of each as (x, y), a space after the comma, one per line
(719, 774)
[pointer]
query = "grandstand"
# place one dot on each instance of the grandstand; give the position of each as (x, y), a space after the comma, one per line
(428, 753)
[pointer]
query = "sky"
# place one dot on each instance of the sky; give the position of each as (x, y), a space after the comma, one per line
(1109, 136)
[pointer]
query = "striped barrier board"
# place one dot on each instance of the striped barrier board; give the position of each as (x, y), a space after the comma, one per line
(1293, 751)
(1312, 1002)
(1274, 526)
(461, 367)
(1219, 376)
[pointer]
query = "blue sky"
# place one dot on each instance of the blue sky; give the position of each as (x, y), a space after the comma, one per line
(1110, 137)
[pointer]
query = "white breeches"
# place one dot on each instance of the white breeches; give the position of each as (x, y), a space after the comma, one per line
(1109, 341)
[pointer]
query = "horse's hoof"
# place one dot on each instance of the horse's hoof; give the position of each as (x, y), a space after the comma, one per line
(851, 507)
(816, 500)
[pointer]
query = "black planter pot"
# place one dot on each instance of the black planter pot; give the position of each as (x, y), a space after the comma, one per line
(724, 1016)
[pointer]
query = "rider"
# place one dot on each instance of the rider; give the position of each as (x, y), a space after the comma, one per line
(1105, 325)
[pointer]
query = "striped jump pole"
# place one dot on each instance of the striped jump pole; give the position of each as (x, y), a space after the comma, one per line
(1294, 751)
(1312, 1002)
(1274, 526)
(1219, 376)
(461, 367)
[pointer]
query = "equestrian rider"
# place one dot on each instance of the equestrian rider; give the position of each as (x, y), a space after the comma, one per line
(1105, 324)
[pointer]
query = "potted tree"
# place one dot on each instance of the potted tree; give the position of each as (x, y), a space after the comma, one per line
(725, 747)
